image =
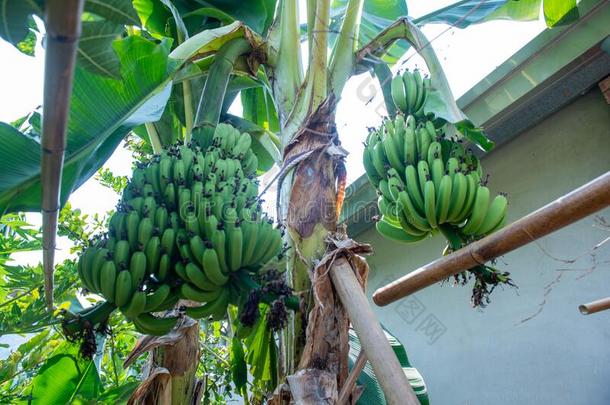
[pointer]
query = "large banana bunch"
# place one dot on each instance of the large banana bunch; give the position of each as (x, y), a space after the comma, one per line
(410, 91)
(189, 226)
(425, 181)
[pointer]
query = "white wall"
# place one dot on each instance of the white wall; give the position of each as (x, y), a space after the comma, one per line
(530, 345)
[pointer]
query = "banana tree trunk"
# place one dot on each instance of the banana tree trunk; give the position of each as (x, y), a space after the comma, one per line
(317, 360)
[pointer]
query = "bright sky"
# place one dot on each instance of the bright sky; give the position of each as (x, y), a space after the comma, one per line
(467, 56)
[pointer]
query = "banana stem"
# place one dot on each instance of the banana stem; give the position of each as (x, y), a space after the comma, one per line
(210, 104)
(285, 62)
(154, 138)
(245, 282)
(456, 243)
(318, 59)
(343, 58)
(384, 76)
(87, 318)
(188, 110)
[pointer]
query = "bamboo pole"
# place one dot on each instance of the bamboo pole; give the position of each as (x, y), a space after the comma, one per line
(348, 387)
(595, 306)
(63, 27)
(562, 212)
(374, 343)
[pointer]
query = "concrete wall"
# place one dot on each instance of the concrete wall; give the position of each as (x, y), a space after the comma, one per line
(530, 345)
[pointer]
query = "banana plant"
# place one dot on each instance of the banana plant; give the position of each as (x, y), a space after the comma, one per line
(169, 70)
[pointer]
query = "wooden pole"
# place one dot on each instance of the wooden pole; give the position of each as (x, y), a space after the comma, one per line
(595, 306)
(348, 387)
(562, 212)
(374, 343)
(63, 26)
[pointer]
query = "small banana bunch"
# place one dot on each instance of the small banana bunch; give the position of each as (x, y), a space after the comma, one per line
(425, 181)
(410, 91)
(189, 226)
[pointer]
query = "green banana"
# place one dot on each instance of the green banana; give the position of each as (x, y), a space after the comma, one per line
(169, 196)
(165, 172)
(145, 232)
(137, 268)
(274, 247)
(179, 172)
(196, 276)
(444, 199)
(168, 241)
(161, 219)
(438, 171)
(121, 254)
(379, 160)
(97, 262)
(369, 168)
(411, 213)
(194, 294)
(219, 243)
(395, 233)
(157, 298)
(136, 305)
(149, 206)
(434, 152)
(153, 254)
(413, 188)
(419, 85)
(108, 280)
(180, 270)
(250, 235)
(164, 267)
(423, 174)
(430, 203)
(404, 220)
(494, 216)
(122, 289)
(234, 247)
(411, 90)
(453, 166)
(215, 309)
(472, 186)
(135, 204)
(481, 205)
(398, 94)
(152, 325)
(458, 196)
(133, 223)
(116, 225)
(424, 141)
(197, 247)
(243, 144)
(410, 151)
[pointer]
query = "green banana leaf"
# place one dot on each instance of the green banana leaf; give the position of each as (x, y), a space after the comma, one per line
(104, 23)
(201, 15)
(102, 112)
(376, 16)
(16, 19)
(373, 394)
(66, 377)
(464, 13)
